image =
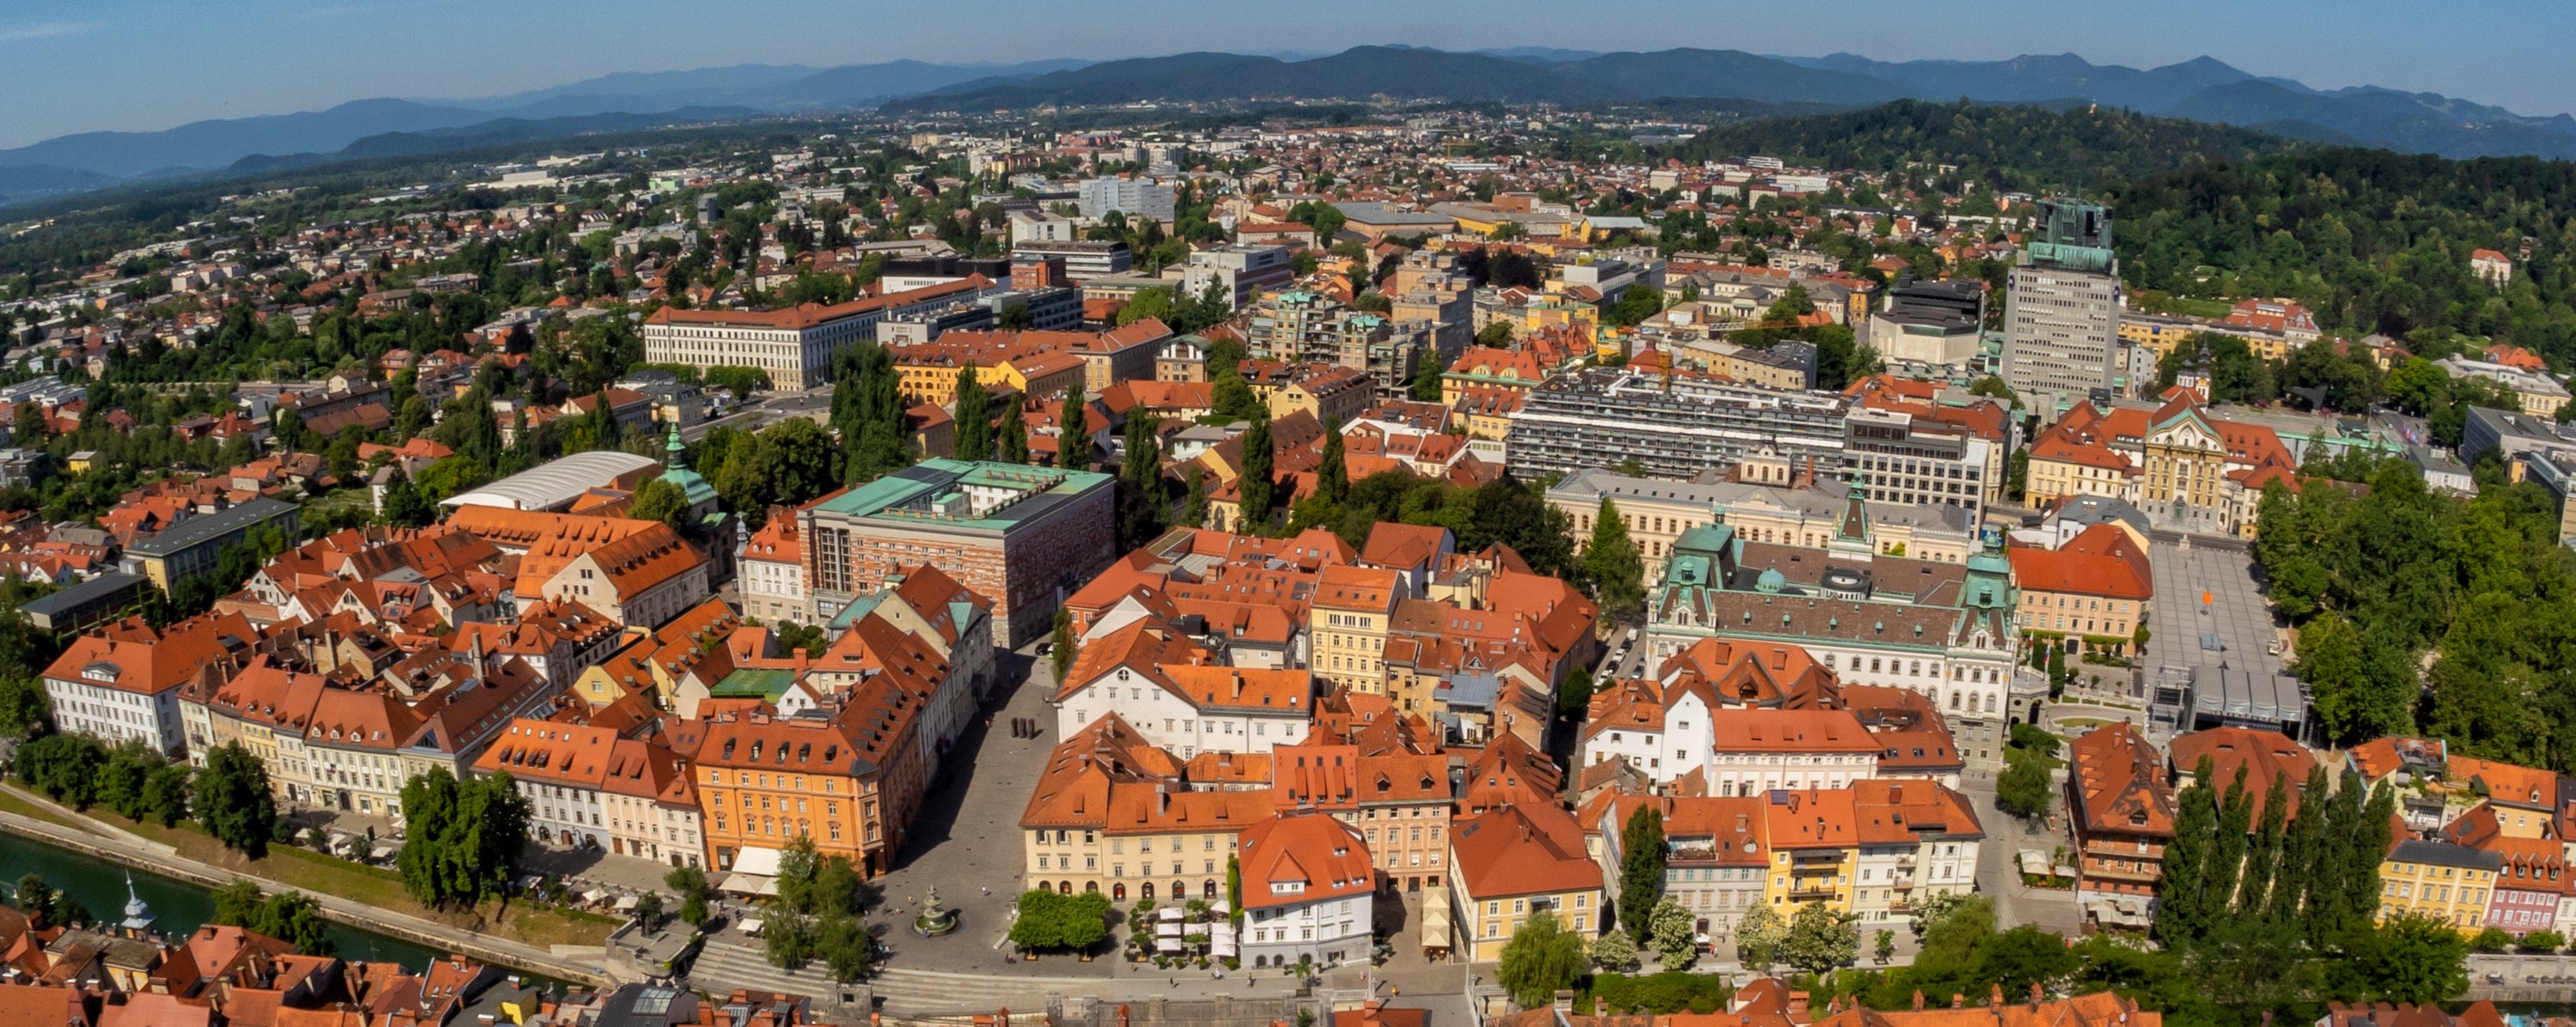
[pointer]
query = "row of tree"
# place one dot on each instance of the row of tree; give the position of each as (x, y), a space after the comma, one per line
(229, 797)
(2278, 881)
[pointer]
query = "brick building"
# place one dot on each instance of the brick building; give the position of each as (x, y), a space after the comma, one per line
(1024, 536)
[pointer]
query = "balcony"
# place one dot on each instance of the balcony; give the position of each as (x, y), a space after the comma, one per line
(1826, 856)
(1905, 883)
(1812, 891)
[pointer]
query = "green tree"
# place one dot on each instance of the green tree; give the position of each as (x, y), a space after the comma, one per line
(1011, 441)
(1049, 921)
(2263, 856)
(2410, 958)
(1073, 428)
(1614, 951)
(690, 883)
(1426, 384)
(1541, 958)
(1063, 644)
(25, 710)
(659, 500)
(1758, 937)
(2181, 917)
(2023, 789)
(1256, 489)
(404, 506)
(1228, 394)
(1641, 867)
(1194, 508)
(1618, 573)
(2224, 869)
(1673, 933)
(62, 767)
(1821, 939)
(2300, 851)
(1332, 473)
(232, 800)
(465, 840)
(1574, 694)
(37, 900)
(165, 796)
(974, 413)
(648, 909)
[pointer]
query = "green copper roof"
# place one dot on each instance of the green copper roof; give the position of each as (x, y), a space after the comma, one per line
(765, 685)
(943, 492)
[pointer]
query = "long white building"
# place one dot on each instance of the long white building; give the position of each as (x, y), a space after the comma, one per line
(795, 345)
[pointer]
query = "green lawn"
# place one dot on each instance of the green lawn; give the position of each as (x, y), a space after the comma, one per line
(10, 802)
(375, 886)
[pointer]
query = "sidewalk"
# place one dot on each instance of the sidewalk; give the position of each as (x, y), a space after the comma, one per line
(122, 847)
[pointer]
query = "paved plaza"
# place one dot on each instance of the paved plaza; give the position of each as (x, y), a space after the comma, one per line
(2189, 571)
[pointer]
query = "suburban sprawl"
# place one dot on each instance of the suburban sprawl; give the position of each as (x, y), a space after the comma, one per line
(1565, 564)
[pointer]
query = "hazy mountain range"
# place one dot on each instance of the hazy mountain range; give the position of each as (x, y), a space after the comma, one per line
(2203, 89)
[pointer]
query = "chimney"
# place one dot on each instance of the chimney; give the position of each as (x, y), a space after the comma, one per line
(1958, 1001)
(1997, 1001)
(2034, 997)
(1918, 1000)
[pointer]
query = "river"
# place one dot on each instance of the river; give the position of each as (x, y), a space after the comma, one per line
(178, 907)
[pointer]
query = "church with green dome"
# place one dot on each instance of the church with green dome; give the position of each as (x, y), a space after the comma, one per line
(705, 523)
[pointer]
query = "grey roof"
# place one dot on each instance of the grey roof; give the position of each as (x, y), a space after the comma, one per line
(554, 484)
(1382, 214)
(2444, 854)
(1591, 484)
(2236, 694)
(196, 530)
(2088, 509)
(104, 586)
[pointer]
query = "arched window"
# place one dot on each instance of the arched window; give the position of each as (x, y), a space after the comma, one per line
(1118, 892)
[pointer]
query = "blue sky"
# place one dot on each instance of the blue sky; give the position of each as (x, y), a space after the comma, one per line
(83, 65)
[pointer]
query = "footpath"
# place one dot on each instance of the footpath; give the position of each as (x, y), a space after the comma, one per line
(128, 849)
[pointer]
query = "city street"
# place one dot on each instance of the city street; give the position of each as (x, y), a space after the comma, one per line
(1999, 879)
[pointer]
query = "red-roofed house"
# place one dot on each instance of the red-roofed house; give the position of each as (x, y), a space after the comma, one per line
(2096, 587)
(1308, 889)
(1510, 863)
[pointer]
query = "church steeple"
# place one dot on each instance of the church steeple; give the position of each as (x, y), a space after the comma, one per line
(674, 448)
(138, 917)
(1854, 534)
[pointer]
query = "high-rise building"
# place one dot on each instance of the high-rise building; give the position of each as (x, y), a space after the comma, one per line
(1133, 197)
(2062, 314)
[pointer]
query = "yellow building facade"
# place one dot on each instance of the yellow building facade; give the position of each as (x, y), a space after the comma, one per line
(2447, 882)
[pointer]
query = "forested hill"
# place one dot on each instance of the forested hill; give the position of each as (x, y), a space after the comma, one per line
(2371, 241)
(2009, 148)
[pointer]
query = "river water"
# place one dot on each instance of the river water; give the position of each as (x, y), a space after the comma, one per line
(178, 907)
